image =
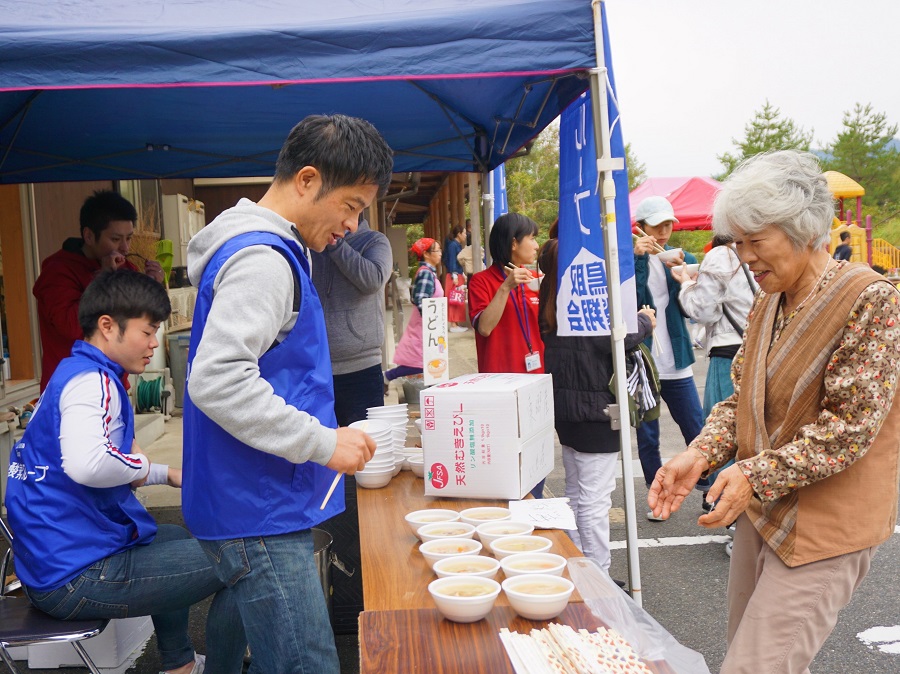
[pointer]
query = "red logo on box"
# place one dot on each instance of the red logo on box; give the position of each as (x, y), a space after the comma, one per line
(429, 425)
(429, 400)
(429, 413)
(438, 476)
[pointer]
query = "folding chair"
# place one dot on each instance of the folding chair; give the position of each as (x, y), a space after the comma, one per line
(21, 624)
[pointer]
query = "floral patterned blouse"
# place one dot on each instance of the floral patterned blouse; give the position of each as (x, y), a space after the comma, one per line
(860, 383)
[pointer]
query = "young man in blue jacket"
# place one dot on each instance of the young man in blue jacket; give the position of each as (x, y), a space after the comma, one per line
(261, 447)
(85, 547)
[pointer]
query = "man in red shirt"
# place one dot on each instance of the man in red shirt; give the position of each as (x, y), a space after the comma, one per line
(107, 225)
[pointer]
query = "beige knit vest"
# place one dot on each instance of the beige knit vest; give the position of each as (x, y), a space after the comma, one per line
(782, 389)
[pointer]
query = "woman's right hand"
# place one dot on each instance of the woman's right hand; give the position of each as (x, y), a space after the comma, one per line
(651, 314)
(644, 245)
(515, 276)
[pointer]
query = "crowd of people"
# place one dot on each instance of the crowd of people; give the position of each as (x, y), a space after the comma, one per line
(794, 444)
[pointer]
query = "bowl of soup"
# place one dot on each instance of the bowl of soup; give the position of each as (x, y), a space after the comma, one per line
(491, 531)
(538, 596)
(477, 516)
(419, 518)
(464, 599)
(467, 565)
(533, 562)
(441, 548)
(512, 545)
(446, 530)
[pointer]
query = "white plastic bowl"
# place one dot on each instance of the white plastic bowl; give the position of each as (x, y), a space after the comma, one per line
(491, 531)
(398, 466)
(442, 548)
(669, 255)
(374, 479)
(435, 530)
(467, 565)
(513, 545)
(689, 269)
(417, 466)
(526, 563)
(538, 605)
(464, 609)
(479, 516)
(374, 427)
(419, 518)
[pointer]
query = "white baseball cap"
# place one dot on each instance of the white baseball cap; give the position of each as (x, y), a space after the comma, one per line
(654, 210)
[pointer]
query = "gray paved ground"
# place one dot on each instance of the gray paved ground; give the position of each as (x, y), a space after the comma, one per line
(683, 582)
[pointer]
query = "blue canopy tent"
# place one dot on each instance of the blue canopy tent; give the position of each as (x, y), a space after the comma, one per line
(116, 89)
(153, 89)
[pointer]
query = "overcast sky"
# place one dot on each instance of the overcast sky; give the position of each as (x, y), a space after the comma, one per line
(691, 73)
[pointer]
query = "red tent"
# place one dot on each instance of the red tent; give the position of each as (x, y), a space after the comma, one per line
(692, 199)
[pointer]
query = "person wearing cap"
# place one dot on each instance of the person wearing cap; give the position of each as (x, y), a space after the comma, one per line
(408, 354)
(671, 342)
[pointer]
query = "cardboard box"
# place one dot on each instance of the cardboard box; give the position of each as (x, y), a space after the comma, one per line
(111, 650)
(487, 435)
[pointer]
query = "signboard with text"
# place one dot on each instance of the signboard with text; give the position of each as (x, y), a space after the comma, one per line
(435, 354)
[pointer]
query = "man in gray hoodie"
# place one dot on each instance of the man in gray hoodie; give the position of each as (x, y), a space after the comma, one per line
(261, 444)
(350, 277)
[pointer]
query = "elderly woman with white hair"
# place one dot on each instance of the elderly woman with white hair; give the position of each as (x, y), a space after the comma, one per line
(811, 425)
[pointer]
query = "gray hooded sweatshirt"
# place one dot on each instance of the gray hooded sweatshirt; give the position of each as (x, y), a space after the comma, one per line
(252, 308)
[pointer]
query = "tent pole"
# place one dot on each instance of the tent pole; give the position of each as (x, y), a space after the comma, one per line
(605, 166)
(487, 206)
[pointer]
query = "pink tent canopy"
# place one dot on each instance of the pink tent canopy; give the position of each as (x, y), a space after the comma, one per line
(692, 199)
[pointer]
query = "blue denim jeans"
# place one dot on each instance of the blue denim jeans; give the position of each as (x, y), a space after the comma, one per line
(354, 392)
(162, 579)
(683, 402)
(280, 600)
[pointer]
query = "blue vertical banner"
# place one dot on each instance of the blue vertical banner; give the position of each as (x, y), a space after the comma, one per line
(498, 190)
(583, 298)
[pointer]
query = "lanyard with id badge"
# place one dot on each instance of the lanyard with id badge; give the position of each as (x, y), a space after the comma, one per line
(533, 358)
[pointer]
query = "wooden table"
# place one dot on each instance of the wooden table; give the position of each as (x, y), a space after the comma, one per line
(395, 575)
(420, 640)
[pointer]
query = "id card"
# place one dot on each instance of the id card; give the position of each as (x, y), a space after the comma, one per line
(532, 362)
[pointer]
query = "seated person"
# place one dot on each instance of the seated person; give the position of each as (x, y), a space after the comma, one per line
(85, 548)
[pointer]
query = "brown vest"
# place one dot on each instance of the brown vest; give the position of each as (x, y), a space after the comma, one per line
(782, 389)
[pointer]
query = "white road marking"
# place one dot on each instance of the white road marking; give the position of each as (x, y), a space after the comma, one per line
(671, 541)
(887, 639)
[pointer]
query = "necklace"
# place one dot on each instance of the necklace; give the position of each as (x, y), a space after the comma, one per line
(813, 290)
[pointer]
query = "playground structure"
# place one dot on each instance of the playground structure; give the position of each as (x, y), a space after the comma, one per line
(865, 248)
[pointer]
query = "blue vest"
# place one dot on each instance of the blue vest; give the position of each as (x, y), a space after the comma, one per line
(233, 490)
(62, 527)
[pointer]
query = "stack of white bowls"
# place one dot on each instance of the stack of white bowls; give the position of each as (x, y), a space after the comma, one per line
(380, 468)
(398, 417)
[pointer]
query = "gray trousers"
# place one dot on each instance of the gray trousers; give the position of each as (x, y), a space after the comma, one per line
(779, 616)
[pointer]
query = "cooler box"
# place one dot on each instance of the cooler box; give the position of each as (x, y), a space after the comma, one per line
(487, 435)
(109, 650)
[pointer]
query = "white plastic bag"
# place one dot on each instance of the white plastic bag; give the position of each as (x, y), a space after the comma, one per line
(616, 609)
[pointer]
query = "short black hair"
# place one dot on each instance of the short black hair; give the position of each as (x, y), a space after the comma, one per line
(345, 150)
(122, 294)
(104, 207)
(508, 228)
(845, 236)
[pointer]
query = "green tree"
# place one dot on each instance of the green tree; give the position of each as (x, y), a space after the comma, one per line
(532, 180)
(637, 172)
(768, 130)
(863, 151)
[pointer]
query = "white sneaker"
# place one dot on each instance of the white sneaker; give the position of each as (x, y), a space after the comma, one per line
(729, 546)
(653, 518)
(199, 664)
(459, 328)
